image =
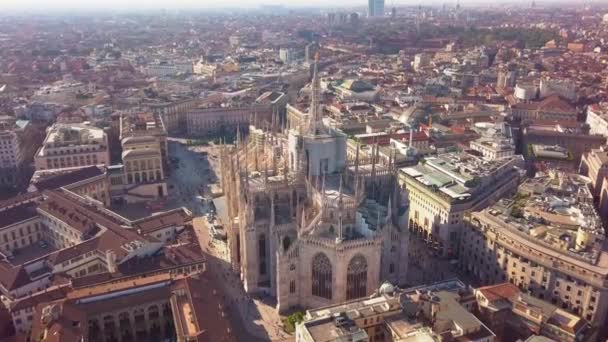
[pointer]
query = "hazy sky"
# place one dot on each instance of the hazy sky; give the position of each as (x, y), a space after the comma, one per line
(156, 4)
(146, 4)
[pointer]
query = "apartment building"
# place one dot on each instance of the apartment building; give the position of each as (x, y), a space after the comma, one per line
(155, 306)
(439, 311)
(90, 181)
(144, 157)
(17, 146)
(547, 240)
(73, 237)
(495, 141)
(212, 118)
(597, 118)
(515, 315)
(442, 189)
(571, 136)
(594, 165)
(20, 226)
(552, 108)
(163, 69)
(173, 111)
(72, 145)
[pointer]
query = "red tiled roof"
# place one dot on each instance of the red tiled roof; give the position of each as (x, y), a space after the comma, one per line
(553, 103)
(13, 277)
(49, 295)
(61, 180)
(17, 214)
(27, 197)
(174, 218)
(499, 291)
(205, 295)
(556, 103)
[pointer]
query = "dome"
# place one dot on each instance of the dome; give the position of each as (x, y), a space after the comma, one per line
(605, 18)
(387, 288)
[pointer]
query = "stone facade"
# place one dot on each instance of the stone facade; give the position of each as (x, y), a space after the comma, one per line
(310, 227)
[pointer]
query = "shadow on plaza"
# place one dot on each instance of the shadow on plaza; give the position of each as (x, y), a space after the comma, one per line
(236, 304)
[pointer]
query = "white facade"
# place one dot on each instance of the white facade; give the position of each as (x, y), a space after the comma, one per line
(597, 119)
(72, 146)
(525, 91)
(421, 60)
(167, 69)
(493, 149)
(10, 150)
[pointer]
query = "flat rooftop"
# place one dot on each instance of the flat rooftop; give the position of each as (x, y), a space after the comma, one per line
(556, 209)
(359, 308)
(459, 175)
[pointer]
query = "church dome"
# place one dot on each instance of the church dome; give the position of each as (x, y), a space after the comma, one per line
(605, 18)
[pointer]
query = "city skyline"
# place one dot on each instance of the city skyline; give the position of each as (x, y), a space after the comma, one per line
(66, 5)
(239, 170)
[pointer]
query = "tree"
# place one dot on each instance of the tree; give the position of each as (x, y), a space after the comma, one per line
(292, 320)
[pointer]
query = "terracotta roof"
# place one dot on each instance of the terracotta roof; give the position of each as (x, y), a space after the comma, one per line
(499, 292)
(48, 295)
(68, 253)
(177, 217)
(19, 199)
(17, 214)
(58, 181)
(102, 232)
(13, 277)
(70, 213)
(134, 299)
(555, 103)
(71, 325)
(205, 294)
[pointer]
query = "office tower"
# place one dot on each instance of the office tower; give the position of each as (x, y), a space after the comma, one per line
(375, 8)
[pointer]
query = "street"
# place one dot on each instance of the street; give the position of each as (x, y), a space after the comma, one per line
(424, 267)
(254, 319)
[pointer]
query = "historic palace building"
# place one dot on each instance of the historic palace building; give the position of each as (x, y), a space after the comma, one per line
(310, 226)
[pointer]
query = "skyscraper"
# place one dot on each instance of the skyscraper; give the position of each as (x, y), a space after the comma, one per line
(375, 8)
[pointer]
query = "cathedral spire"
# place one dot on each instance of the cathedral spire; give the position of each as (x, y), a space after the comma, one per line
(340, 236)
(323, 185)
(272, 212)
(265, 170)
(315, 114)
(238, 135)
(285, 170)
(389, 211)
(340, 191)
(357, 161)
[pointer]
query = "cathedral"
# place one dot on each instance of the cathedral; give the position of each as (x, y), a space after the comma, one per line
(310, 225)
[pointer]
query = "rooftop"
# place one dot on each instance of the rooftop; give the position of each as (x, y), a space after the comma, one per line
(73, 134)
(459, 175)
(17, 214)
(555, 209)
(60, 180)
(141, 123)
(508, 296)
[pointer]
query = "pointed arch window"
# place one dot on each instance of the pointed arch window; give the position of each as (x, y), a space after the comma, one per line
(356, 277)
(321, 276)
